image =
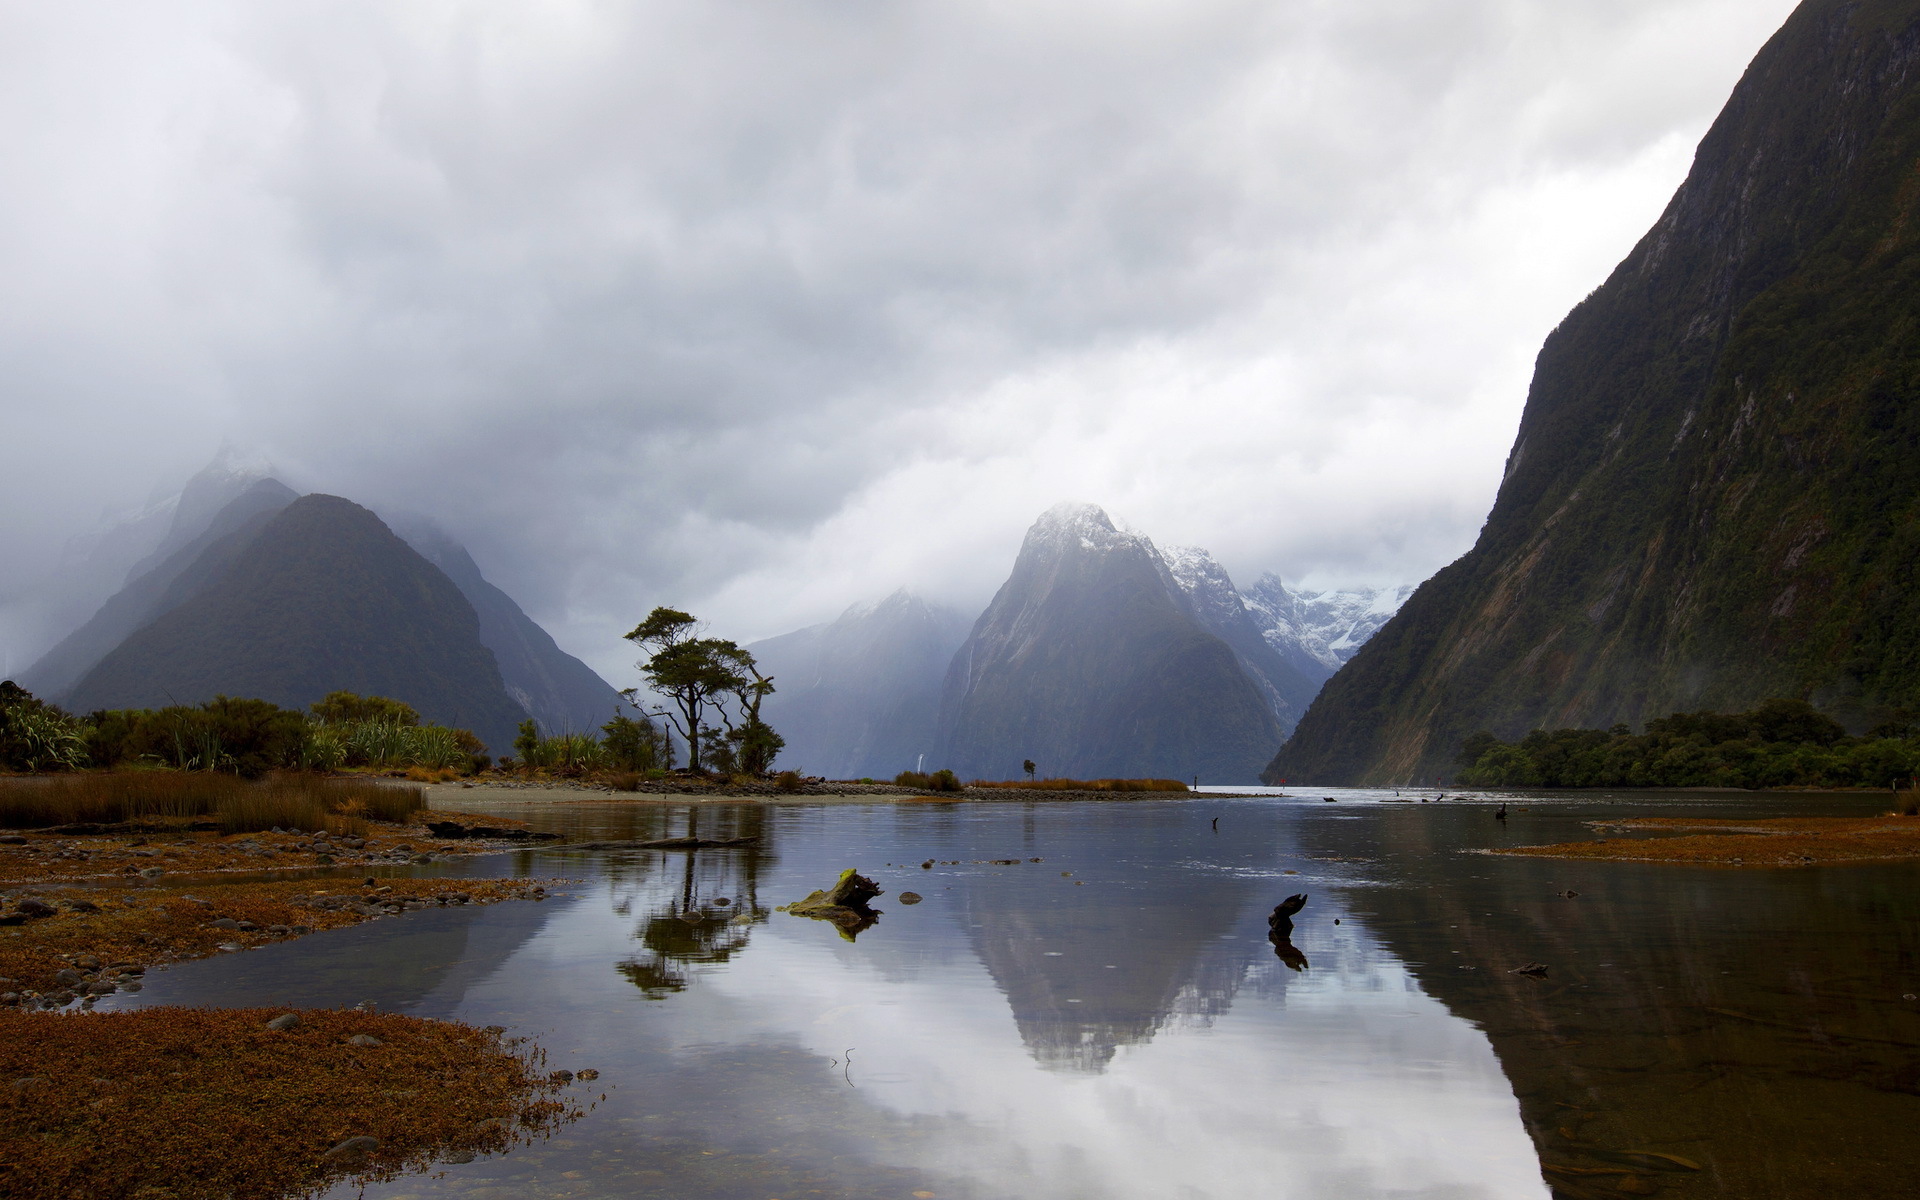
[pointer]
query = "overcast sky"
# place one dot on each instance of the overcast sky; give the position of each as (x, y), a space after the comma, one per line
(761, 307)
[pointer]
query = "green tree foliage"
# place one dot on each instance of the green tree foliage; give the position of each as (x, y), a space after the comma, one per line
(636, 744)
(35, 735)
(1782, 743)
(708, 680)
(345, 708)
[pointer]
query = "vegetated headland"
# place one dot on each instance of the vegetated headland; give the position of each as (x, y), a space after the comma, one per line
(109, 874)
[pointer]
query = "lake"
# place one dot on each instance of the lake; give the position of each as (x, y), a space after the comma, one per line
(1105, 1017)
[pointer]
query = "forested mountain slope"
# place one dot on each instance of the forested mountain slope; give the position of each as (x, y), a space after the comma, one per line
(1713, 497)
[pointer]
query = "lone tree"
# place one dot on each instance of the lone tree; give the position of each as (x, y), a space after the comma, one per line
(701, 676)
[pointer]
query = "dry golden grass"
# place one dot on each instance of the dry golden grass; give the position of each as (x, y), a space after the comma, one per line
(145, 927)
(193, 1104)
(1771, 842)
(310, 802)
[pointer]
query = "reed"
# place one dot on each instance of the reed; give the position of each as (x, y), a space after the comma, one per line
(1084, 785)
(282, 801)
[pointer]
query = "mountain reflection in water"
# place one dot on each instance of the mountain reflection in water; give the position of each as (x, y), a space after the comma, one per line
(1114, 1022)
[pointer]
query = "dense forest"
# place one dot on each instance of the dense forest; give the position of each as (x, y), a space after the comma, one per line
(1782, 743)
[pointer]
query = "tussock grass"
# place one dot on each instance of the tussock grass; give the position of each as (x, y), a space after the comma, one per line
(284, 801)
(203, 1103)
(1084, 785)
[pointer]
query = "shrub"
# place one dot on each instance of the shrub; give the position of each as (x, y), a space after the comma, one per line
(634, 744)
(346, 708)
(942, 780)
(35, 735)
(789, 781)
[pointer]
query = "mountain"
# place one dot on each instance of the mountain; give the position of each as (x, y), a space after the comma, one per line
(162, 587)
(561, 693)
(1090, 662)
(859, 696)
(1714, 496)
(322, 596)
(126, 546)
(1317, 632)
(1221, 610)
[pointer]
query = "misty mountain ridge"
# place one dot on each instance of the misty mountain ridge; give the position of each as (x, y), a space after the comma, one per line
(215, 519)
(321, 597)
(859, 696)
(1712, 497)
(1091, 661)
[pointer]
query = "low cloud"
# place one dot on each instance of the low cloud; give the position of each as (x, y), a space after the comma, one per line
(760, 309)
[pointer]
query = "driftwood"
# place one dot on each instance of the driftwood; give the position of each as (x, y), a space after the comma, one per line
(844, 904)
(1280, 931)
(454, 831)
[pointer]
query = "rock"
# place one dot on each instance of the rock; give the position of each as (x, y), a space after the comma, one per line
(152, 873)
(352, 1149)
(324, 860)
(83, 906)
(102, 987)
(364, 1039)
(586, 1074)
(460, 1156)
(223, 923)
(68, 977)
(284, 1022)
(910, 897)
(927, 865)
(12, 839)
(32, 906)
(562, 1076)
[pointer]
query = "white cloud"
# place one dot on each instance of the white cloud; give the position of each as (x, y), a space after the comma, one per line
(759, 309)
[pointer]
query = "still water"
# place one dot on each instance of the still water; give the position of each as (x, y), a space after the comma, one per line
(1111, 1021)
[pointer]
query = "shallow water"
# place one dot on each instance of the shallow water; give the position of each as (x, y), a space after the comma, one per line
(1112, 1021)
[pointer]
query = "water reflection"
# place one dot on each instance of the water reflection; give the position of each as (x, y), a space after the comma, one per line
(1128, 1017)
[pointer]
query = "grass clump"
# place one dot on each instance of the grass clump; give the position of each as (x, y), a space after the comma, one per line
(236, 805)
(1085, 785)
(204, 1103)
(942, 780)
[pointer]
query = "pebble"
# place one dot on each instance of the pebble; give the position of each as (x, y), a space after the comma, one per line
(353, 1147)
(284, 1022)
(910, 897)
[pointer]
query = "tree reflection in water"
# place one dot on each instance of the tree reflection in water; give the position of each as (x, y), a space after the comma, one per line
(709, 917)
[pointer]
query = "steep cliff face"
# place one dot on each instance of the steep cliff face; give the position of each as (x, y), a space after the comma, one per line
(1713, 497)
(1089, 662)
(860, 696)
(323, 597)
(561, 693)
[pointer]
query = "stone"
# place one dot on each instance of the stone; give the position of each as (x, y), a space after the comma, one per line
(68, 977)
(223, 923)
(102, 987)
(460, 1156)
(351, 1149)
(152, 873)
(364, 1039)
(324, 860)
(12, 839)
(587, 1074)
(562, 1076)
(910, 897)
(83, 906)
(284, 1022)
(32, 906)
